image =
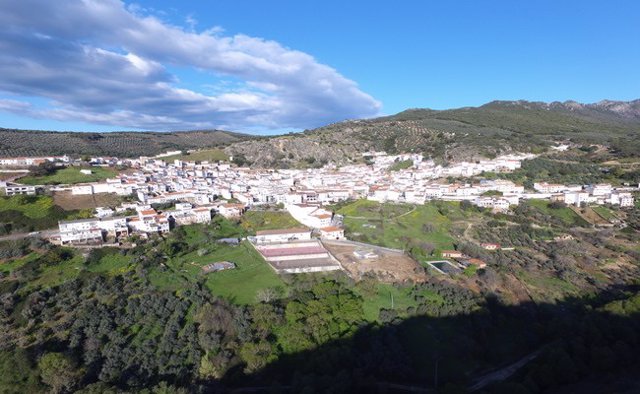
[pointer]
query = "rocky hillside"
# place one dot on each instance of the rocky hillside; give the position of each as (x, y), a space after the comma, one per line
(122, 144)
(460, 134)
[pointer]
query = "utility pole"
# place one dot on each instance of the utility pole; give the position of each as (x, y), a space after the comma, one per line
(392, 307)
(435, 378)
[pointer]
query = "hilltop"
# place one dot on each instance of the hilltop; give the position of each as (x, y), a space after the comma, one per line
(122, 144)
(467, 133)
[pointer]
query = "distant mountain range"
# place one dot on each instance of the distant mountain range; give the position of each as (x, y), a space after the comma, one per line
(465, 133)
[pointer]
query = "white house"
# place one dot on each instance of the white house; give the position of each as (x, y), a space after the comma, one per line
(231, 211)
(332, 232)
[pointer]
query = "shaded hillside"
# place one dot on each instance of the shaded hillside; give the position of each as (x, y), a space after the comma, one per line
(460, 134)
(122, 144)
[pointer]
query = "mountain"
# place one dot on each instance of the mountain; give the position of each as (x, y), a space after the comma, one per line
(123, 144)
(469, 133)
(458, 134)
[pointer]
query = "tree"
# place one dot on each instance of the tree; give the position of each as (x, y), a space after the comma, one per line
(256, 355)
(43, 169)
(266, 295)
(59, 372)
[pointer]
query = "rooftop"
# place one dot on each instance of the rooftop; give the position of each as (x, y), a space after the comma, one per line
(296, 230)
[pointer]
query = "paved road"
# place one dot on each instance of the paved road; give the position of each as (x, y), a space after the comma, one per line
(39, 234)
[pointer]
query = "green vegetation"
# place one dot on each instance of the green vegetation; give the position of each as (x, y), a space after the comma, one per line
(150, 318)
(564, 214)
(29, 213)
(240, 285)
(210, 155)
(71, 175)
(15, 143)
(606, 213)
(548, 169)
(401, 165)
(421, 230)
(253, 221)
(459, 134)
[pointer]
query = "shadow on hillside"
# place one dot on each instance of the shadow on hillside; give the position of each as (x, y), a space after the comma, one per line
(569, 342)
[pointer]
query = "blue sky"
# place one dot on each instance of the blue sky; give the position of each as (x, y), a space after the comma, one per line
(268, 67)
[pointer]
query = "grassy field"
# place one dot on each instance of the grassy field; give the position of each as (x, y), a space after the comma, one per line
(402, 299)
(566, 215)
(33, 207)
(112, 264)
(29, 213)
(201, 155)
(401, 165)
(402, 226)
(253, 221)
(605, 212)
(71, 175)
(8, 266)
(239, 285)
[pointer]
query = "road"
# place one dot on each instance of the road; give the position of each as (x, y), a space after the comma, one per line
(503, 373)
(39, 234)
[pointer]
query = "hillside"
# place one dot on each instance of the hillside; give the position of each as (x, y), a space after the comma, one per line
(459, 134)
(469, 133)
(122, 144)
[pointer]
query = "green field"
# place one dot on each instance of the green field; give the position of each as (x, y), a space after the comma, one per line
(33, 207)
(401, 165)
(566, 215)
(210, 155)
(71, 175)
(29, 213)
(253, 221)
(391, 297)
(8, 266)
(239, 285)
(402, 226)
(605, 212)
(112, 264)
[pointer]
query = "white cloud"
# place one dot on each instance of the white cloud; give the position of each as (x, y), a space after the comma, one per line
(103, 62)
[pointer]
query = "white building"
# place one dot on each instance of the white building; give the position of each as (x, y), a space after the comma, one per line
(624, 199)
(283, 235)
(600, 189)
(92, 231)
(149, 221)
(576, 198)
(13, 190)
(310, 215)
(332, 232)
(231, 211)
(544, 187)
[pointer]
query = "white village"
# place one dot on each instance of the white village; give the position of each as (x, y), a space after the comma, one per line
(196, 191)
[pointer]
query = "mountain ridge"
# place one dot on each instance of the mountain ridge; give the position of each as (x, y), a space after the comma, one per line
(467, 133)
